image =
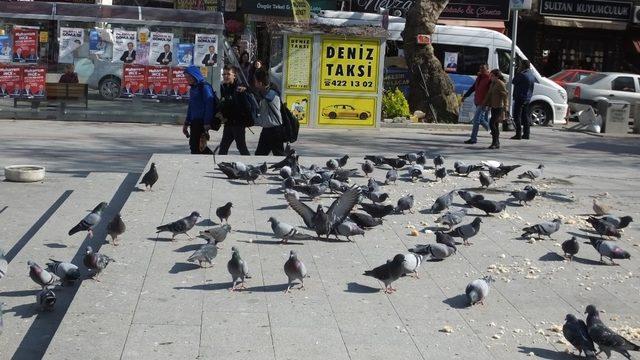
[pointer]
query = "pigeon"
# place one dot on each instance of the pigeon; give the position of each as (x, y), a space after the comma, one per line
(464, 169)
(570, 247)
(372, 185)
(600, 208)
(375, 159)
(422, 159)
(435, 251)
(312, 191)
(228, 170)
(609, 249)
(469, 196)
(405, 203)
(527, 194)
(411, 157)
(367, 167)
(441, 173)
(491, 164)
(378, 211)
(325, 222)
(4, 264)
(603, 227)
(282, 230)
(295, 270)
(452, 217)
(250, 175)
(116, 228)
(342, 162)
(478, 290)
(416, 172)
(365, 221)
(543, 229)
(46, 298)
(205, 254)
(67, 272)
(485, 180)
(490, 206)
(618, 222)
(290, 160)
(577, 334)
(216, 234)
(388, 272)
(444, 238)
(39, 275)
(150, 177)
(438, 161)
(607, 339)
(332, 164)
(467, 231)
(238, 269)
(181, 226)
(285, 172)
(391, 177)
(442, 203)
(96, 262)
(344, 174)
(395, 163)
(89, 221)
(377, 196)
(337, 186)
(411, 264)
(348, 228)
(532, 174)
(224, 212)
(502, 170)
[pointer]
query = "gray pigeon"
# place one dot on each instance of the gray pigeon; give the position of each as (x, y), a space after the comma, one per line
(441, 173)
(411, 264)
(570, 248)
(577, 334)
(348, 229)
(39, 275)
(216, 234)
(617, 222)
(150, 178)
(467, 231)
(365, 221)
(478, 290)
(452, 217)
(438, 161)
(238, 269)
(469, 196)
(224, 212)
(609, 249)
(377, 196)
(337, 186)
(96, 262)
(527, 194)
(405, 203)
(604, 227)
(411, 157)
(89, 221)
(607, 339)
(435, 251)
(546, 228)
(532, 174)
(442, 203)
(205, 254)
(116, 228)
(67, 272)
(464, 169)
(295, 270)
(489, 206)
(332, 164)
(392, 176)
(181, 226)
(444, 238)
(372, 185)
(46, 298)
(485, 180)
(4, 264)
(388, 272)
(367, 167)
(282, 231)
(285, 172)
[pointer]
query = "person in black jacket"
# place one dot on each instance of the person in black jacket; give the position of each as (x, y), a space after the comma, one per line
(211, 58)
(235, 112)
(523, 84)
(129, 55)
(165, 57)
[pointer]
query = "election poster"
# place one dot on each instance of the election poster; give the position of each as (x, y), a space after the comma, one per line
(206, 50)
(347, 110)
(161, 50)
(11, 81)
(450, 61)
(299, 62)
(97, 44)
(33, 80)
(5, 48)
(349, 65)
(179, 84)
(299, 107)
(158, 81)
(142, 54)
(70, 40)
(25, 45)
(134, 82)
(185, 54)
(124, 46)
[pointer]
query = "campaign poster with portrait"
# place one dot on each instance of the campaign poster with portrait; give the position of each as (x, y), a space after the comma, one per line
(33, 80)
(70, 40)
(179, 84)
(185, 54)
(5, 48)
(124, 46)
(11, 81)
(25, 45)
(206, 50)
(158, 81)
(134, 80)
(161, 49)
(97, 44)
(450, 61)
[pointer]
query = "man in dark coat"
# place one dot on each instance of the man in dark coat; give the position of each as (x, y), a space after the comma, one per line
(523, 83)
(235, 111)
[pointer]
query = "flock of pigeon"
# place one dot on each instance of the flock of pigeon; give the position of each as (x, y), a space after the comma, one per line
(356, 209)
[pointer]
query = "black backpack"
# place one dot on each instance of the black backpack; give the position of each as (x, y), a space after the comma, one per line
(290, 124)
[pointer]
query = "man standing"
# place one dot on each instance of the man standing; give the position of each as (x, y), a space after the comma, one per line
(235, 110)
(200, 111)
(523, 83)
(480, 88)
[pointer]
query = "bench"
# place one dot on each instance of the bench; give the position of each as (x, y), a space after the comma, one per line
(60, 92)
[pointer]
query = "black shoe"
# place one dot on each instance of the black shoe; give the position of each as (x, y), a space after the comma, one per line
(526, 137)
(493, 146)
(516, 137)
(470, 141)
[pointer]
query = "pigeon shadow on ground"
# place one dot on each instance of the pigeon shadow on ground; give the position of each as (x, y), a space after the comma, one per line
(257, 233)
(545, 353)
(274, 178)
(137, 189)
(274, 207)
(513, 202)
(589, 231)
(19, 293)
(559, 197)
(273, 191)
(182, 267)
(591, 262)
(159, 239)
(208, 287)
(435, 228)
(55, 245)
(206, 222)
(552, 256)
(188, 248)
(579, 235)
(270, 288)
(459, 301)
(24, 311)
(354, 287)
(269, 242)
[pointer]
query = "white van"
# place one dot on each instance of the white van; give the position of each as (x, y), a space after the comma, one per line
(473, 46)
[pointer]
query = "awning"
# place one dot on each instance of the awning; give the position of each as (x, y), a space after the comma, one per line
(636, 45)
(486, 24)
(585, 23)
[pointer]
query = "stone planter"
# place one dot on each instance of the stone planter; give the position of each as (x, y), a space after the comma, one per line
(24, 173)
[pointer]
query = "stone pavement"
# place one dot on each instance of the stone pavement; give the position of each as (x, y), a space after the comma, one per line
(153, 304)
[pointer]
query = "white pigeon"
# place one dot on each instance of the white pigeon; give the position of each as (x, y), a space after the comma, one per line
(411, 264)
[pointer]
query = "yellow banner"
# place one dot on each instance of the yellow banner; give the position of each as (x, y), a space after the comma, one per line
(347, 111)
(299, 106)
(301, 10)
(349, 65)
(299, 62)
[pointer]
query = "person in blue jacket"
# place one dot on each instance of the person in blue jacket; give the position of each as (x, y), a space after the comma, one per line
(523, 83)
(201, 110)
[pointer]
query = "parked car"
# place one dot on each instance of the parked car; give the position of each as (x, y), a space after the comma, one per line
(344, 111)
(607, 85)
(569, 76)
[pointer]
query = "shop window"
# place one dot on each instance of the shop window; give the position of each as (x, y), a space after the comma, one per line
(504, 59)
(623, 83)
(469, 57)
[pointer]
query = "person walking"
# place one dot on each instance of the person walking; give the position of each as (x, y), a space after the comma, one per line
(523, 83)
(497, 99)
(269, 116)
(479, 89)
(235, 110)
(200, 111)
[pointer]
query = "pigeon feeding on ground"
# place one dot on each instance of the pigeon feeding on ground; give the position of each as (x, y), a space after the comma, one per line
(348, 229)
(365, 221)
(577, 334)
(367, 167)
(435, 251)
(543, 229)
(438, 161)
(376, 196)
(464, 169)
(603, 227)
(116, 228)
(96, 262)
(281, 230)
(469, 197)
(389, 272)
(4, 265)
(478, 290)
(442, 203)
(295, 270)
(150, 177)
(238, 269)
(416, 172)
(618, 222)
(39, 275)
(444, 238)
(332, 164)
(224, 212)
(405, 203)
(532, 174)
(570, 248)
(609, 249)
(527, 194)
(67, 272)
(502, 170)
(391, 176)
(216, 234)
(205, 254)
(607, 339)
(441, 173)
(46, 299)
(411, 264)
(89, 221)
(600, 208)
(375, 159)
(181, 226)
(467, 231)
(411, 157)
(394, 162)
(377, 210)
(485, 180)
(452, 217)
(489, 206)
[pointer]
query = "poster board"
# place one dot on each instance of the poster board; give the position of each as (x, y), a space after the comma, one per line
(124, 46)
(161, 49)
(299, 53)
(70, 40)
(206, 50)
(350, 65)
(25, 45)
(11, 81)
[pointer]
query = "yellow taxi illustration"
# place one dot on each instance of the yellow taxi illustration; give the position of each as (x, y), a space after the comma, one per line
(345, 111)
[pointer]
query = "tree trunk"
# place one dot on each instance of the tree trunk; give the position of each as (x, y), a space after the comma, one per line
(425, 68)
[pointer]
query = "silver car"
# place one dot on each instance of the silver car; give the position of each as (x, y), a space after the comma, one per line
(600, 86)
